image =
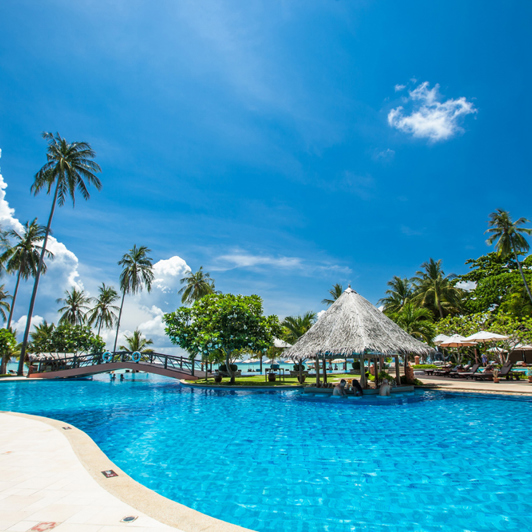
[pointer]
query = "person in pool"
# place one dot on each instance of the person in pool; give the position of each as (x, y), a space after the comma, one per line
(339, 389)
(356, 388)
(385, 388)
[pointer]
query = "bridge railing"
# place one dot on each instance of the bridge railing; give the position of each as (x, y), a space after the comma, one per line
(172, 362)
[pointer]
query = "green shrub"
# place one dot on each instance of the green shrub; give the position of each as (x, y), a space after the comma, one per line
(297, 366)
(424, 366)
(356, 364)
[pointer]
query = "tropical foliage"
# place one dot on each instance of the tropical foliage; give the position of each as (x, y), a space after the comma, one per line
(8, 348)
(398, 295)
(197, 285)
(137, 273)
(67, 338)
(223, 323)
(509, 239)
(293, 327)
(336, 291)
(22, 256)
(136, 342)
(76, 303)
(4, 305)
(102, 314)
(69, 167)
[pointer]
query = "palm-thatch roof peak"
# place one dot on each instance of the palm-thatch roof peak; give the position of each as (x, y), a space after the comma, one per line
(353, 326)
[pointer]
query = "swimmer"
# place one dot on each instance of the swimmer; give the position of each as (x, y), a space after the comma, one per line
(356, 388)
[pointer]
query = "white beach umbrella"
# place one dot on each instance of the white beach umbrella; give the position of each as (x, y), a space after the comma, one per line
(456, 340)
(520, 347)
(281, 343)
(338, 361)
(485, 337)
(440, 338)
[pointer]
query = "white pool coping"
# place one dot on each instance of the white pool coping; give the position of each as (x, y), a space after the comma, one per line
(52, 475)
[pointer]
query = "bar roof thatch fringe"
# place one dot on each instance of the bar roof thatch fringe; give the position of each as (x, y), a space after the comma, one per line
(353, 326)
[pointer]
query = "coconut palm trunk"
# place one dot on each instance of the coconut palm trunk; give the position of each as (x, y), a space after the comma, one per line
(119, 319)
(521, 272)
(20, 371)
(14, 297)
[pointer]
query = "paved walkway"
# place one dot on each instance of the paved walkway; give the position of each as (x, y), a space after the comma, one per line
(43, 483)
(504, 386)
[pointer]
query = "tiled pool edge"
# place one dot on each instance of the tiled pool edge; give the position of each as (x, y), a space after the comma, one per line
(129, 491)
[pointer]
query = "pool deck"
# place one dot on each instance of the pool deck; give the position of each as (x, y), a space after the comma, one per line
(520, 387)
(51, 479)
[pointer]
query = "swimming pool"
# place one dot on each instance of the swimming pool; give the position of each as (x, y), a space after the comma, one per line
(281, 462)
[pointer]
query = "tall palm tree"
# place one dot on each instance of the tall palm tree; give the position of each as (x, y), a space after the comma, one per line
(137, 273)
(336, 291)
(4, 305)
(416, 321)
(136, 342)
(296, 326)
(197, 285)
(70, 166)
(435, 290)
(398, 295)
(102, 314)
(76, 304)
(509, 238)
(22, 257)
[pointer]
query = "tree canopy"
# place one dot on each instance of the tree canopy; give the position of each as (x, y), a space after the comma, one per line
(223, 323)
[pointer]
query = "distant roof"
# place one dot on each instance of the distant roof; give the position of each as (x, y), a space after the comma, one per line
(352, 325)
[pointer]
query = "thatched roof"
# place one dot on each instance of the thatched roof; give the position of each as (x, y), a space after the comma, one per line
(352, 326)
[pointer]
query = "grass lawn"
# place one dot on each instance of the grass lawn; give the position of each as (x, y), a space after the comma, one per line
(259, 380)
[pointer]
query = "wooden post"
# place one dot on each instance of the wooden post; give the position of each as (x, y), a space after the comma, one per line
(397, 371)
(317, 369)
(324, 371)
(362, 372)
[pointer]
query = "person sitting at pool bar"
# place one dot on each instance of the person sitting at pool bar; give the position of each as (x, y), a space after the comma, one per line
(355, 388)
(385, 389)
(339, 389)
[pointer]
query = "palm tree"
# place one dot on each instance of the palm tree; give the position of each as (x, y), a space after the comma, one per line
(509, 238)
(4, 305)
(102, 313)
(398, 295)
(136, 274)
(136, 342)
(416, 321)
(435, 290)
(296, 326)
(76, 305)
(23, 256)
(42, 332)
(69, 165)
(336, 291)
(197, 285)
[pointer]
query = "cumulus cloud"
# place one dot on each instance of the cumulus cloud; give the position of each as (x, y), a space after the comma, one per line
(169, 272)
(430, 117)
(399, 87)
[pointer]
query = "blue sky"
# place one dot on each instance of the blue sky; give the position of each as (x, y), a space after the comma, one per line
(283, 145)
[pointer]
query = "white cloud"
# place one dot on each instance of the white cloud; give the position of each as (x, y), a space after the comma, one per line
(245, 260)
(386, 155)
(466, 285)
(20, 324)
(320, 314)
(154, 326)
(430, 118)
(399, 87)
(169, 272)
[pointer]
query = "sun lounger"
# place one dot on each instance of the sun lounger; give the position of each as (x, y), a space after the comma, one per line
(506, 371)
(444, 372)
(467, 374)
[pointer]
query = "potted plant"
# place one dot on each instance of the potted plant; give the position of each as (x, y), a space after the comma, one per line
(496, 375)
(529, 374)
(217, 378)
(271, 377)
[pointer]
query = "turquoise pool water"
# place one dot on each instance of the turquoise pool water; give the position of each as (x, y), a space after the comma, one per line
(280, 462)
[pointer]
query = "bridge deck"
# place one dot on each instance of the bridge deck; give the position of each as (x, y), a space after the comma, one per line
(83, 365)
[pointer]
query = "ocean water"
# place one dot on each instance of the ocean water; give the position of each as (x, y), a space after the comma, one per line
(278, 461)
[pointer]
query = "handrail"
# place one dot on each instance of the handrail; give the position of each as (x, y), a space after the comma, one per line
(171, 362)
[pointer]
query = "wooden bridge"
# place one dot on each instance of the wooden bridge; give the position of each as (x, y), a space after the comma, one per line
(91, 364)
